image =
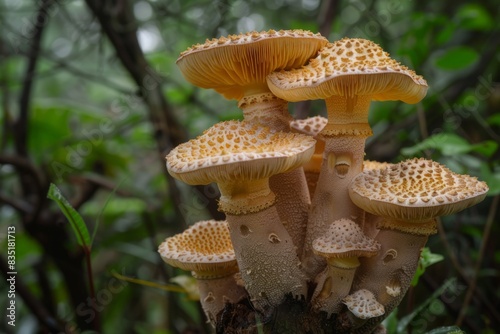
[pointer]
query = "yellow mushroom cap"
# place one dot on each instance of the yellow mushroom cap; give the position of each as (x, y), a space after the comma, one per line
(232, 64)
(349, 67)
(204, 247)
(363, 304)
(236, 151)
(344, 239)
(310, 126)
(415, 190)
(371, 164)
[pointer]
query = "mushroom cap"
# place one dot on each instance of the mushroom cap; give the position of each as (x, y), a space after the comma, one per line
(310, 126)
(415, 190)
(345, 238)
(232, 64)
(363, 304)
(349, 67)
(372, 164)
(235, 151)
(204, 247)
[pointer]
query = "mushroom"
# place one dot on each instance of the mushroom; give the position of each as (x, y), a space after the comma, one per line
(348, 75)
(362, 305)
(408, 196)
(236, 66)
(369, 220)
(312, 126)
(240, 157)
(372, 164)
(342, 245)
(205, 249)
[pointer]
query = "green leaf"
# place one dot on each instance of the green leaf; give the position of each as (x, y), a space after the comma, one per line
(450, 144)
(487, 147)
(405, 321)
(492, 179)
(98, 220)
(74, 218)
(494, 119)
(457, 58)
(473, 16)
(445, 142)
(445, 33)
(426, 259)
(391, 322)
(446, 330)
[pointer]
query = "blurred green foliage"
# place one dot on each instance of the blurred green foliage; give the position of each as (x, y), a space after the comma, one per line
(87, 123)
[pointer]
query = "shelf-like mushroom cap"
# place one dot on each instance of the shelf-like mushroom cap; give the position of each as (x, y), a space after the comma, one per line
(349, 67)
(363, 304)
(310, 126)
(232, 65)
(204, 248)
(236, 151)
(415, 190)
(345, 239)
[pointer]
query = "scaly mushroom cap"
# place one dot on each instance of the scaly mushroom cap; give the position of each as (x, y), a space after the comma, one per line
(232, 65)
(415, 190)
(204, 248)
(363, 304)
(345, 239)
(310, 126)
(349, 67)
(235, 151)
(371, 164)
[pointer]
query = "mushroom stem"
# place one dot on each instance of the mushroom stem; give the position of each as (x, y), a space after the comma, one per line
(347, 114)
(264, 250)
(344, 136)
(292, 192)
(292, 203)
(266, 109)
(247, 195)
(313, 168)
(334, 283)
(342, 161)
(216, 292)
(389, 274)
(369, 227)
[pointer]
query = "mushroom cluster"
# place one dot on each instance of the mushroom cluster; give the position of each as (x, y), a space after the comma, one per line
(307, 219)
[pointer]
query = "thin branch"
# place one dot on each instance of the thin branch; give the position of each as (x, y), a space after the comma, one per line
(454, 261)
(473, 281)
(119, 25)
(22, 207)
(328, 12)
(101, 182)
(26, 167)
(21, 124)
(47, 297)
(87, 189)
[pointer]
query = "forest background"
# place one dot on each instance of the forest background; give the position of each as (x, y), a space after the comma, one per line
(91, 101)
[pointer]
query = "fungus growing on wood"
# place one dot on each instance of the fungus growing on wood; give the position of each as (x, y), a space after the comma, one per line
(348, 75)
(236, 66)
(343, 244)
(241, 157)
(408, 196)
(205, 249)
